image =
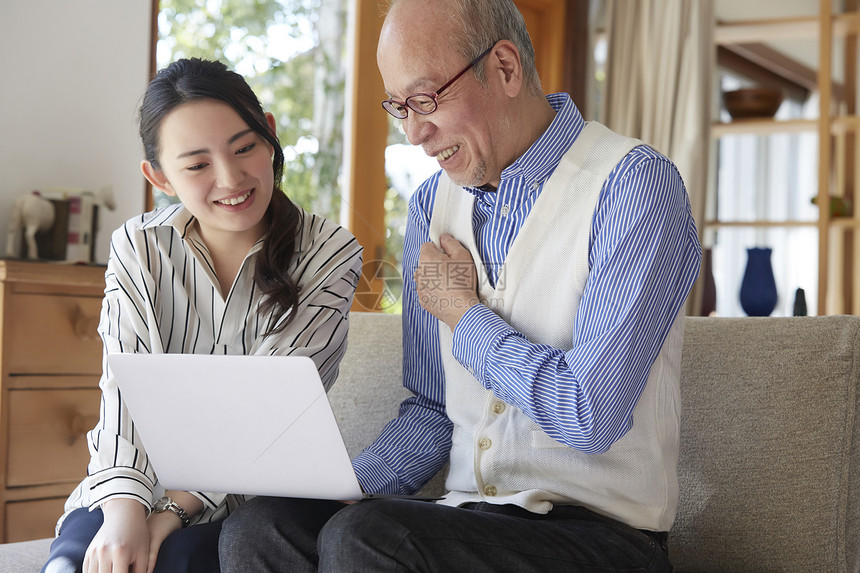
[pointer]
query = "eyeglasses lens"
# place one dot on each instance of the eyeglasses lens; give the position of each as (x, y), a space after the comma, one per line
(395, 109)
(421, 103)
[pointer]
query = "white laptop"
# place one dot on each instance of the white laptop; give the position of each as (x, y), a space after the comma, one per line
(256, 425)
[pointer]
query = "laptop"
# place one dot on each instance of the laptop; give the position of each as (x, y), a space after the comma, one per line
(254, 425)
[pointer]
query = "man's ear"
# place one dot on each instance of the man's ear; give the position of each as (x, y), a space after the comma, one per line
(504, 61)
(156, 177)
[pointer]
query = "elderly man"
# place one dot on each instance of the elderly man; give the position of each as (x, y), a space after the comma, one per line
(545, 272)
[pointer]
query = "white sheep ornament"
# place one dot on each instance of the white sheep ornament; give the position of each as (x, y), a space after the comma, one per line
(33, 213)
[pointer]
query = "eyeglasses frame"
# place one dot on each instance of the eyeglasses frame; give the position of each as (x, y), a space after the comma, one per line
(388, 105)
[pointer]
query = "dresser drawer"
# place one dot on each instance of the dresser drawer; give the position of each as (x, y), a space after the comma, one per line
(47, 435)
(52, 334)
(37, 519)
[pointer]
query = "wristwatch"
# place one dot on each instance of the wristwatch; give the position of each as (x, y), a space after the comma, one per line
(167, 504)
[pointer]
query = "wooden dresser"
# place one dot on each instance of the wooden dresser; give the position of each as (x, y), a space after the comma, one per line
(50, 361)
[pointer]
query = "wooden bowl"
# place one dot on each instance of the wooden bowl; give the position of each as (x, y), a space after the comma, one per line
(752, 102)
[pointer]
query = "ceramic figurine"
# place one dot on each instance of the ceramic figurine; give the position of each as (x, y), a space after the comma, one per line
(32, 213)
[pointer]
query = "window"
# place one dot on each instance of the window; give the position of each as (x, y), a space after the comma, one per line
(313, 64)
(292, 53)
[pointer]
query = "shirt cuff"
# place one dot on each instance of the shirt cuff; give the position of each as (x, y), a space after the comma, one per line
(210, 500)
(119, 483)
(478, 332)
(374, 476)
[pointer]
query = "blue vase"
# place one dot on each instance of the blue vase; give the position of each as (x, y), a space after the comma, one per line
(758, 288)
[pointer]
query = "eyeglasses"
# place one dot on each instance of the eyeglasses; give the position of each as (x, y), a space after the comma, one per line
(423, 103)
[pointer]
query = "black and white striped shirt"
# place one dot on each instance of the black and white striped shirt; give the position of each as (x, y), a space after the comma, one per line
(162, 296)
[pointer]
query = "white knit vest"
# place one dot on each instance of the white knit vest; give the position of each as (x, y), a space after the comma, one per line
(499, 454)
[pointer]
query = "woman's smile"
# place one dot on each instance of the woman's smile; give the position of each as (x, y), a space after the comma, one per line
(237, 200)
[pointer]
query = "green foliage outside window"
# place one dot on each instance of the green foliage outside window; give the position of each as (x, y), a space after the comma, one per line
(293, 55)
(291, 52)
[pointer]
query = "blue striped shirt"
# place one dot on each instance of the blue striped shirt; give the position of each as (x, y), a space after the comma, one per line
(643, 258)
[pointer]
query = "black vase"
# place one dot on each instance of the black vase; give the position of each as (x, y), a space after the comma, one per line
(799, 303)
(758, 288)
(709, 287)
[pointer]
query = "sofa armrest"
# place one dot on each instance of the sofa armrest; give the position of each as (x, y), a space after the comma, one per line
(24, 556)
(769, 456)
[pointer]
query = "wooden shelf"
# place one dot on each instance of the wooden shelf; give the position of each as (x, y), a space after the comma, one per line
(763, 127)
(839, 126)
(844, 222)
(755, 31)
(844, 124)
(838, 222)
(838, 156)
(759, 224)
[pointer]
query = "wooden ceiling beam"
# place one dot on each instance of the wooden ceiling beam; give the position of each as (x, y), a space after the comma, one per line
(740, 64)
(772, 68)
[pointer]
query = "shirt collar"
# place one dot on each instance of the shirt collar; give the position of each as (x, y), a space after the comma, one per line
(181, 219)
(542, 157)
(176, 216)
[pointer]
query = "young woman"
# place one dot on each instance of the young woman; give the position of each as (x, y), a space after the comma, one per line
(235, 268)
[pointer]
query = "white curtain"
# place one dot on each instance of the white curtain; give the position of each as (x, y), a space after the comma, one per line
(659, 68)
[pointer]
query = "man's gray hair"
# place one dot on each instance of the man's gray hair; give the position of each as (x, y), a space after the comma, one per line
(482, 23)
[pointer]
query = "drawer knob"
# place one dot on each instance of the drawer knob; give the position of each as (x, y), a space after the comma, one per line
(78, 425)
(85, 327)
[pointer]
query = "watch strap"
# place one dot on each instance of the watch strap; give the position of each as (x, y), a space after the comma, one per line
(167, 504)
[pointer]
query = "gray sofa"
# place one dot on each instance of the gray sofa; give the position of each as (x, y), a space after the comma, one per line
(770, 445)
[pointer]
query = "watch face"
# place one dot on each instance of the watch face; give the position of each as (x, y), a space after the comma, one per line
(161, 505)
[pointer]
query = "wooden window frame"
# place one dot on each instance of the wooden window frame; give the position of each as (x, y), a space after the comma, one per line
(559, 32)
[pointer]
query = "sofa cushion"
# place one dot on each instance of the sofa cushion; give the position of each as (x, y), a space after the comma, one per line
(769, 462)
(369, 387)
(24, 556)
(769, 446)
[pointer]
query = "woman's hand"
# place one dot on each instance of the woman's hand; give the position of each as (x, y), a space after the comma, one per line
(160, 525)
(122, 542)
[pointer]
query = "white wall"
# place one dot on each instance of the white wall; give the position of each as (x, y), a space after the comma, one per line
(72, 76)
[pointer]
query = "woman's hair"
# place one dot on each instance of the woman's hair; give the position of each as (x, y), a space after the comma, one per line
(189, 80)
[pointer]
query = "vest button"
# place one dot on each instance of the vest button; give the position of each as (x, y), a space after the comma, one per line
(485, 443)
(498, 407)
(490, 490)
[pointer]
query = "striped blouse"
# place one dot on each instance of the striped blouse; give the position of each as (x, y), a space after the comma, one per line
(643, 259)
(162, 296)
